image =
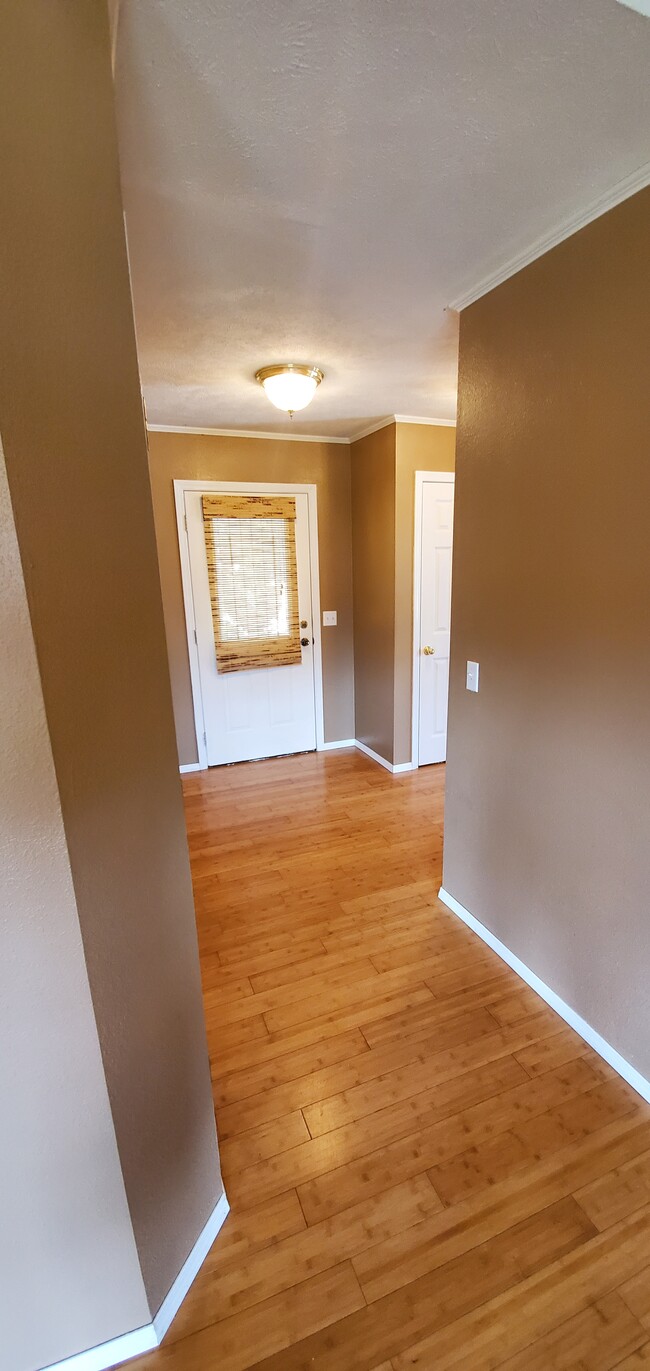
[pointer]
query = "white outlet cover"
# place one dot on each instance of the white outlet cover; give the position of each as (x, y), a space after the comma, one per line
(329, 618)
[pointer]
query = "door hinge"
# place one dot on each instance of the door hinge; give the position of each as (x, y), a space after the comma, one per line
(205, 740)
(195, 638)
(185, 521)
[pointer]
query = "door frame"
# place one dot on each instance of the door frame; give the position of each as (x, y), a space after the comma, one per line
(422, 478)
(247, 488)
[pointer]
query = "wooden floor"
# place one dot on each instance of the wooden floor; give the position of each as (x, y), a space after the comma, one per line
(425, 1167)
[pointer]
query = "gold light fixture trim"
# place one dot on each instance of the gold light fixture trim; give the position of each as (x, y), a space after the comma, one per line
(289, 385)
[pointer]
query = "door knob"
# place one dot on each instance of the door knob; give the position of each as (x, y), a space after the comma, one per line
(429, 651)
(304, 642)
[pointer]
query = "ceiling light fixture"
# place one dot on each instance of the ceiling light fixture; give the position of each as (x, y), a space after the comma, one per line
(290, 385)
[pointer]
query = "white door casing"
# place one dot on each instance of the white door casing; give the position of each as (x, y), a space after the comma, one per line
(243, 715)
(434, 510)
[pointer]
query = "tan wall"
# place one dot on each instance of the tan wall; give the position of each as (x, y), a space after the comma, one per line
(548, 808)
(373, 557)
(71, 418)
(418, 447)
(71, 1278)
(204, 457)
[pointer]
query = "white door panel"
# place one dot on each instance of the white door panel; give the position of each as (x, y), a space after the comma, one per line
(265, 712)
(437, 517)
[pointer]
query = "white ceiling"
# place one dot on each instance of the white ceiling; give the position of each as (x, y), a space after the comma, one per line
(316, 182)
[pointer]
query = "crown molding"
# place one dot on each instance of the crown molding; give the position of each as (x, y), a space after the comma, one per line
(400, 419)
(413, 419)
(245, 433)
(301, 437)
(373, 428)
(638, 180)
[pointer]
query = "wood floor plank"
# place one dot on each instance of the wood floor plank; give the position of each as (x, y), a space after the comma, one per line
(535, 1305)
(434, 1301)
(429, 1068)
(240, 1285)
(288, 1066)
(437, 1140)
(267, 1139)
(355, 1144)
(617, 1194)
(442, 1237)
(245, 1338)
(338, 1082)
(595, 1339)
(636, 1293)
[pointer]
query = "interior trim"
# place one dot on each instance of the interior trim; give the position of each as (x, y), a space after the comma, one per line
(388, 766)
(300, 437)
(570, 1016)
(636, 181)
(246, 433)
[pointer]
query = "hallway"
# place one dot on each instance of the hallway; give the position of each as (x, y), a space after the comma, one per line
(425, 1166)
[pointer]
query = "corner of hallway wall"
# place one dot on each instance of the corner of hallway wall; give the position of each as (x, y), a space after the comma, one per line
(373, 580)
(217, 457)
(75, 449)
(548, 802)
(74, 1279)
(418, 447)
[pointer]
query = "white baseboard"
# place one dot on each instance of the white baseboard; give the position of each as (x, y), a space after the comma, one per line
(190, 1268)
(401, 766)
(110, 1353)
(375, 755)
(330, 747)
(570, 1016)
(151, 1334)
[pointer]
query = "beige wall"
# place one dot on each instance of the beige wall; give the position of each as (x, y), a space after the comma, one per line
(548, 807)
(72, 424)
(373, 561)
(418, 447)
(204, 457)
(71, 1276)
(383, 503)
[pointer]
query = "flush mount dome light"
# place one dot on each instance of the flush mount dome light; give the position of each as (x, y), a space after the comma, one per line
(290, 385)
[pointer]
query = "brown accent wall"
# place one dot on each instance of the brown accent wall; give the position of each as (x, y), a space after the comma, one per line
(72, 423)
(418, 447)
(548, 806)
(373, 558)
(209, 457)
(383, 512)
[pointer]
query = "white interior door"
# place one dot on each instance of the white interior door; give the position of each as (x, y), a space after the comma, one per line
(437, 517)
(255, 713)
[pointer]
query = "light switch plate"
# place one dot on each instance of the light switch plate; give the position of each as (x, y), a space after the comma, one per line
(329, 618)
(472, 676)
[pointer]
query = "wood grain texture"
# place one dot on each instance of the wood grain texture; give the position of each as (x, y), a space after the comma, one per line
(426, 1167)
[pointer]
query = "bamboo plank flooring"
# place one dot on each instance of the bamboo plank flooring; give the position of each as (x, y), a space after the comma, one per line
(426, 1168)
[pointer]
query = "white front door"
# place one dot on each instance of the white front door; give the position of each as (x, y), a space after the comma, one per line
(264, 712)
(437, 516)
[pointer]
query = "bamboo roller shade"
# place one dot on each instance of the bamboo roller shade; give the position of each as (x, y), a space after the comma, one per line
(251, 548)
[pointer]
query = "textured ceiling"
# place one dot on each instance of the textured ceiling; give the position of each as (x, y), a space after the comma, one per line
(316, 182)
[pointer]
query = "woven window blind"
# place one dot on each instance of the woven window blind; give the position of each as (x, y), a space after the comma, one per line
(251, 548)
